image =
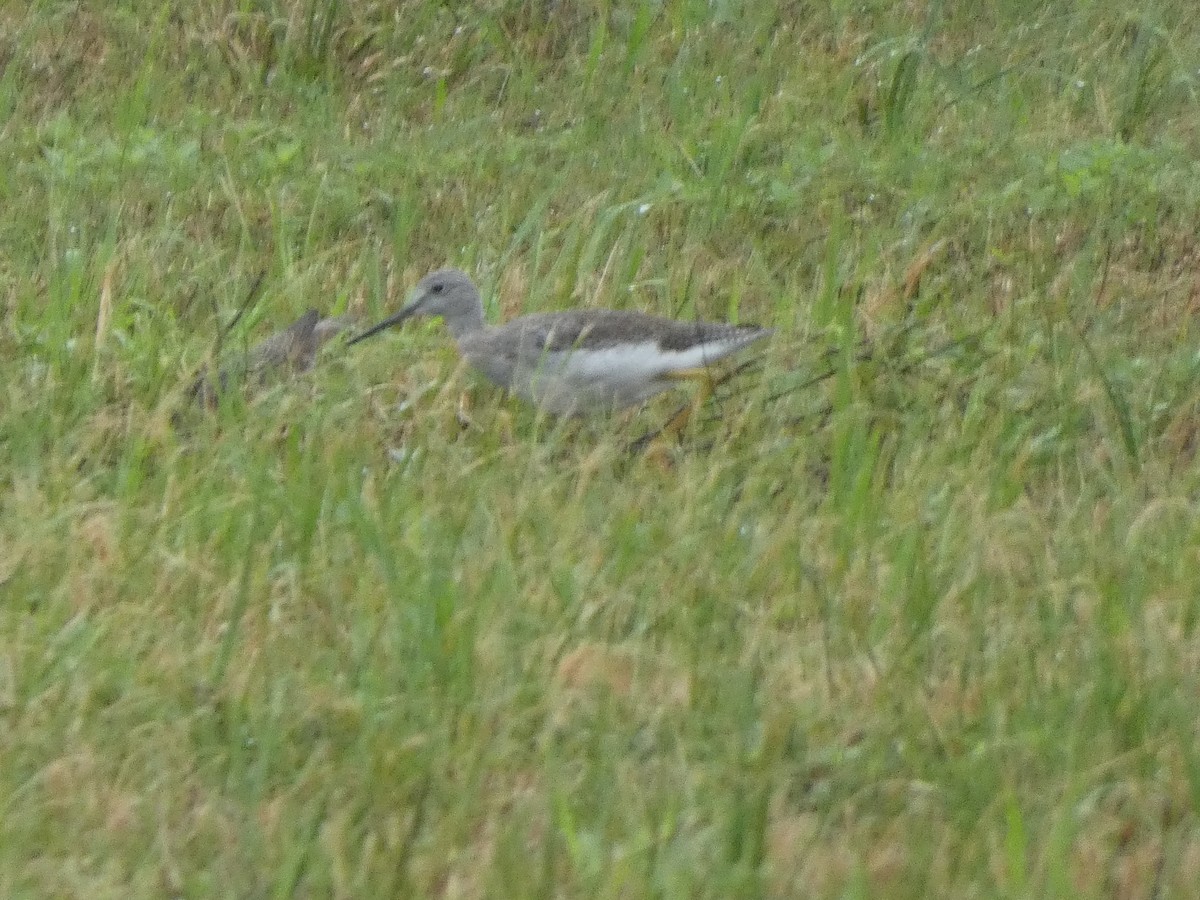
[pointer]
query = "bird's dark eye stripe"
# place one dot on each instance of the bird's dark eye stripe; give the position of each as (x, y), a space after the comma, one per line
(437, 288)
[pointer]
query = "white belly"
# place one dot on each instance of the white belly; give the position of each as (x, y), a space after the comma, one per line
(580, 380)
(584, 380)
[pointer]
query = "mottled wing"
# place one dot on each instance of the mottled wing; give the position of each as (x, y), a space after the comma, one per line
(602, 329)
(679, 336)
(292, 349)
(293, 346)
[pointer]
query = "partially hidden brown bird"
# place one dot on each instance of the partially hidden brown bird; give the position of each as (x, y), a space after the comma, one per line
(290, 351)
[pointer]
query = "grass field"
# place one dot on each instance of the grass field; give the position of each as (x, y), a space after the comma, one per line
(914, 613)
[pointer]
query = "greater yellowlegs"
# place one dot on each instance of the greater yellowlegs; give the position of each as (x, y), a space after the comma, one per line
(575, 362)
(294, 349)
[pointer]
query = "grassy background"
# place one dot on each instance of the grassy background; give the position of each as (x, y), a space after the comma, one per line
(916, 611)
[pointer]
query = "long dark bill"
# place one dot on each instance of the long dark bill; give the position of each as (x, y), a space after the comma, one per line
(394, 319)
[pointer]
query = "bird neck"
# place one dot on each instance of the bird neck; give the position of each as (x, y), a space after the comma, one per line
(466, 322)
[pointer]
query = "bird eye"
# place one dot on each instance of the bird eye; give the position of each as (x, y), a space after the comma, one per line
(437, 287)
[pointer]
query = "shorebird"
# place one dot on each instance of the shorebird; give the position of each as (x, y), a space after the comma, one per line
(294, 349)
(575, 362)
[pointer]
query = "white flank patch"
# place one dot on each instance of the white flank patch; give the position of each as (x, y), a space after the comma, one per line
(612, 377)
(640, 362)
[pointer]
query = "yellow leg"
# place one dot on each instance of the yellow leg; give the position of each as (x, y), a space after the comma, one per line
(680, 420)
(463, 412)
(505, 426)
(659, 453)
(657, 449)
